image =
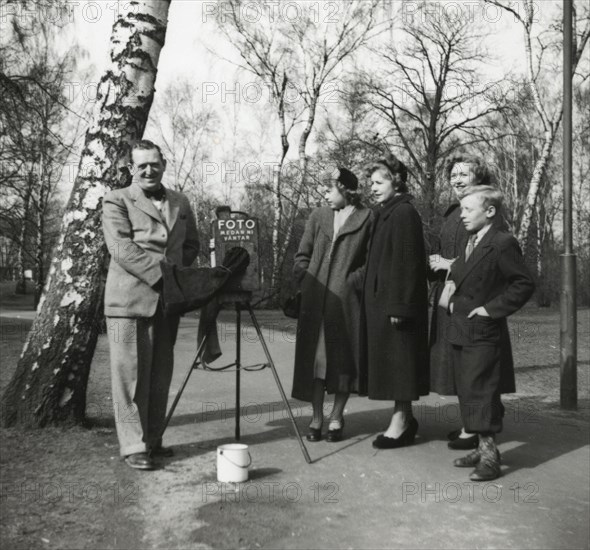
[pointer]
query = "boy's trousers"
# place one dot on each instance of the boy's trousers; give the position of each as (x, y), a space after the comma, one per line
(477, 379)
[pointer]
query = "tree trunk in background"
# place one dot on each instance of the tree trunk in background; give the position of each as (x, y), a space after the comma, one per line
(303, 163)
(49, 384)
(533, 192)
(21, 285)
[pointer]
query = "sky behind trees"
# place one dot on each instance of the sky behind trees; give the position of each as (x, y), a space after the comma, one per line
(197, 53)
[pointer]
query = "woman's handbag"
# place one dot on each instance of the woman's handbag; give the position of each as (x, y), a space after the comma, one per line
(292, 306)
(447, 291)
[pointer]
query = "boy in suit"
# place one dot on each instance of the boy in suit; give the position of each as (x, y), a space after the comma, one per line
(143, 224)
(492, 282)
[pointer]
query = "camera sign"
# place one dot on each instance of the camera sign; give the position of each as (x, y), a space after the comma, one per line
(232, 229)
(237, 229)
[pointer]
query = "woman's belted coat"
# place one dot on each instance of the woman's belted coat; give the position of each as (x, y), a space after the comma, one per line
(330, 275)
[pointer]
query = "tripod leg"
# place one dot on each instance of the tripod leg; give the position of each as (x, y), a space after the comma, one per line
(238, 365)
(184, 383)
(279, 385)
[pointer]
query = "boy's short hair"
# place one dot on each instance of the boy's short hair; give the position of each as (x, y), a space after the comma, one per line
(480, 169)
(391, 165)
(490, 196)
(147, 145)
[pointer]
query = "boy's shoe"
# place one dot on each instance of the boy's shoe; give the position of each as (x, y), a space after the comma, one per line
(488, 467)
(486, 471)
(464, 443)
(471, 460)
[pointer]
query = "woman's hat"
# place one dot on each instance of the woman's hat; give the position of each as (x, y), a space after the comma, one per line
(347, 179)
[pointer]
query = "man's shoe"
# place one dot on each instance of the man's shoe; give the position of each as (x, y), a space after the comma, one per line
(162, 451)
(406, 438)
(464, 443)
(140, 461)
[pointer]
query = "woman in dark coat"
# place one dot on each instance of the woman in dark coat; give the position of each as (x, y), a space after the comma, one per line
(328, 266)
(461, 171)
(394, 339)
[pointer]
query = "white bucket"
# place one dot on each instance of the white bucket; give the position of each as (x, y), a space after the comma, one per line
(233, 461)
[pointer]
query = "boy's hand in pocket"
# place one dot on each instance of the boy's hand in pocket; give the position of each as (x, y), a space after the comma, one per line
(481, 311)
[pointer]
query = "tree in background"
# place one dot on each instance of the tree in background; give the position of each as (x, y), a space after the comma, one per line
(297, 60)
(185, 128)
(32, 151)
(428, 89)
(548, 101)
(49, 384)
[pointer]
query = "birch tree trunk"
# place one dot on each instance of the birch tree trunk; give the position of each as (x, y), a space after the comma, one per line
(550, 124)
(533, 192)
(49, 384)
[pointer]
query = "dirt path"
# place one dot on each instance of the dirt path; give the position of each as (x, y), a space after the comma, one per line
(350, 497)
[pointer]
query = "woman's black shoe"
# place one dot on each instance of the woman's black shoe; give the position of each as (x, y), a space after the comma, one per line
(314, 434)
(335, 435)
(451, 436)
(406, 438)
(464, 443)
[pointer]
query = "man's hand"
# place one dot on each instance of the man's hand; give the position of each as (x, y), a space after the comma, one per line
(396, 321)
(481, 311)
(438, 263)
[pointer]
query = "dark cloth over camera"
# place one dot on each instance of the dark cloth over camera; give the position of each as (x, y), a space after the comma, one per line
(188, 288)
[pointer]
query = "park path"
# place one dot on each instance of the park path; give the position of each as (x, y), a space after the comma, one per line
(352, 496)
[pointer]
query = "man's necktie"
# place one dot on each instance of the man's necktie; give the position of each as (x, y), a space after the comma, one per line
(159, 194)
(470, 246)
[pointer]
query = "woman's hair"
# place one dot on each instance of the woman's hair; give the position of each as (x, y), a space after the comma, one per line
(347, 183)
(390, 165)
(480, 169)
(490, 196)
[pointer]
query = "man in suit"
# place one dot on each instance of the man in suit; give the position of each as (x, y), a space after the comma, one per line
(492, 282)
(143, 224)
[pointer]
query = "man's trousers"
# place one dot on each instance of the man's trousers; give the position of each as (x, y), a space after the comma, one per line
(142, 361)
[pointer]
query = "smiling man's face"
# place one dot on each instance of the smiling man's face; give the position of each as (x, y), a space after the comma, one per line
(147, 168)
